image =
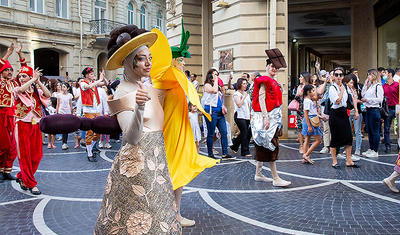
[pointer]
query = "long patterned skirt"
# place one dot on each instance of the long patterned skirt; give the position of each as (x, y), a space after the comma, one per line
(138, 198)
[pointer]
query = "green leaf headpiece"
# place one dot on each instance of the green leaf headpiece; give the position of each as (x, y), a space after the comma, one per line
(182, 50)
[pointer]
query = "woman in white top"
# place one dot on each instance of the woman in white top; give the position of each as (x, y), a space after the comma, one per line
(341, 133)
(310, 113)
(372, 94)
(241, 101)
(194, 122)
(64, 106)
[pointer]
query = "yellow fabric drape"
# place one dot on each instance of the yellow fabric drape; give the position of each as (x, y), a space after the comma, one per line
(184, 162)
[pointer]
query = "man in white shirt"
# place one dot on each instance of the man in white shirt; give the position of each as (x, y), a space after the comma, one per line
(196, 84)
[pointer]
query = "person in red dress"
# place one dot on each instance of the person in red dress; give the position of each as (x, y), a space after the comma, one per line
(30, 97)
(8, 151)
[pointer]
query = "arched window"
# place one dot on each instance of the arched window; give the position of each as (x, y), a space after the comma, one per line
(130, 14)
(142, 17)
(159, 20)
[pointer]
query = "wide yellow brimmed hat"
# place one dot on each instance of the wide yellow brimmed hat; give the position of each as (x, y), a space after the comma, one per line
(144, 39)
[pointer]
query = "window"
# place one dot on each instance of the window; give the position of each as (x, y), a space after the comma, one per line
(100, 15)
(130, 14)
(61, 8)
(159, 20)
(389, 44)
(36, 5)
(4, 3)
(142, 17)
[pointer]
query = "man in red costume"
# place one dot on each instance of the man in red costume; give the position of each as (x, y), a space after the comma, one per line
(8, 151)
(30, 97)
(91, 106)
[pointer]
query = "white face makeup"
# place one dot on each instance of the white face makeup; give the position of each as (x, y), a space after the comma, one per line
(142, 63)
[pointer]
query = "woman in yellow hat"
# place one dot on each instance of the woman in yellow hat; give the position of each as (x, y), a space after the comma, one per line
(139, 197)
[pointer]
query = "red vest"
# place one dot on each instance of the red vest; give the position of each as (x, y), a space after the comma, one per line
(22, 110)
(273, 93)
(87, 95)
(6, 93)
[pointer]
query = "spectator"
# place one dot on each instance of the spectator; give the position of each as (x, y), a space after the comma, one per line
(193, 79)
(341, 134)
(241, 101)
(213, 104)
(104, 111)
(64, 106)
(355, 72)
(310, 122)
(194, 122)
(305, 79)
(355, 88)
(187, 73)
(383, 75)
(248, 77)
(391, 92)
(396, 77)
(372, 94)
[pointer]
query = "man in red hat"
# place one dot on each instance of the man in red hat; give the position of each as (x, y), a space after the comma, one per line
(8, 151)
(91, 105)
(30, 97)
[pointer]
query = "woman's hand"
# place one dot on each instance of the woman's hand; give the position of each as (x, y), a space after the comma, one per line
(310, 129)
(364, 100)
(142, 96)
(356, 116)
(266, 123)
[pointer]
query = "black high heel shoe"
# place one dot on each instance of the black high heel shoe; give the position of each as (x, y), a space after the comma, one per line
(21, 184)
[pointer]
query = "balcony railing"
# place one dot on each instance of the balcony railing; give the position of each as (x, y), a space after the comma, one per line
(103, 26)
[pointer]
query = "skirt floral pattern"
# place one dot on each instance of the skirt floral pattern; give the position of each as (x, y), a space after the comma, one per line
(138, 198)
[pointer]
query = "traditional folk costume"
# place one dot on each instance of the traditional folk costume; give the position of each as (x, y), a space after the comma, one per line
(91, 106)
(27, 131)
(8, 148)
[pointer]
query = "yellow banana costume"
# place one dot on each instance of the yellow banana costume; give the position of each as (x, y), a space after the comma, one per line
(184, 162)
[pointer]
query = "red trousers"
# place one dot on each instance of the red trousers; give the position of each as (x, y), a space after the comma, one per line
(30, 151)
(8, 148)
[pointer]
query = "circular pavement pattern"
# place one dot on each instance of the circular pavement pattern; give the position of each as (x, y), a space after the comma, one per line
(224, 199)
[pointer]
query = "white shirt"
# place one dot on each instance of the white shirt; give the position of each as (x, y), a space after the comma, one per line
(96, 108)
(310, 106)
(396, 78)
(334, 92)
(196, 85)
(64, 106)
(243, 112)
(373, 95)
(103, 99)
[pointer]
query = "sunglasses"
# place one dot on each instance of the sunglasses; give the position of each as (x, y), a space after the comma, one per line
(338, 74)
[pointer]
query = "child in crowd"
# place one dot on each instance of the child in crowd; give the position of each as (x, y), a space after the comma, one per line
(194, 121)
(52, 110)
(310, 122)
(64, 106)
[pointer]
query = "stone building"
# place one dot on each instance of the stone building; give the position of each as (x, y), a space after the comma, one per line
(348, 33)
(62, 36)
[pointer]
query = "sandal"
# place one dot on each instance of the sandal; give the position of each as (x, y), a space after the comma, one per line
(307, 160)
(35, 192)
(76, 146)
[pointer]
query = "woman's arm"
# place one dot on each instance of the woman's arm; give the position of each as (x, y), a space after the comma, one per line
(211, 89)
(70, 105)
(58, 105)
(263, 106)
(131, 124)
(307, 120)
(239, 101)
(321, 88)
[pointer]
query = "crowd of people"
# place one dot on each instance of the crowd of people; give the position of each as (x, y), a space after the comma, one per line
(156, 110)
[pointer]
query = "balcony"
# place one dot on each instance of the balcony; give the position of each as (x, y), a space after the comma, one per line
(103, 26)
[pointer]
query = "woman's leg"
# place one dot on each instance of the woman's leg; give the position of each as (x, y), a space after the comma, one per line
(357, 130)
(349, 162)
(301, 139)
(368, 121)
(306, 143)
(333, 154)
(277, 181)
(221, 124)
(64, 138)
(210, 134)
(314, 144)
(375, 129)
(178, 196)
(237, 140)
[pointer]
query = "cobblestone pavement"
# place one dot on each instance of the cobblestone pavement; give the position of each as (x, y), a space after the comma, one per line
(224, 199)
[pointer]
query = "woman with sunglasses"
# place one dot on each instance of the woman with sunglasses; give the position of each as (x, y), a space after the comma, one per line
(372, 94)
(341, 134)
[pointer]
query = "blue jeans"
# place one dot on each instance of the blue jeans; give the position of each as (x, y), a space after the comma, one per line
(387, 124)
(217, 120)
(357, 129)
(373, 120)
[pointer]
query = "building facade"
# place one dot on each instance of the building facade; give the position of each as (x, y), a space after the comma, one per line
(62, 36)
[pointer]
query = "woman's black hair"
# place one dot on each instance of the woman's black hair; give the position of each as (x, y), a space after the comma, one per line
(306, 76)
(307, 88)
(239, 83)
(209, 77)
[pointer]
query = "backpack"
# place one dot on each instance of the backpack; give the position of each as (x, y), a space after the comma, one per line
(384, 108)
(328, 103)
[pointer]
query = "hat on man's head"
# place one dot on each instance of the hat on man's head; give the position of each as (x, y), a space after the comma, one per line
(26, 70)
(87, 70)
(276, 58)
(5, 66)
(322, 73)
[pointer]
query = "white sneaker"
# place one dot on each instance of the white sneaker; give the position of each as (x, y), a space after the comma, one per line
(262, 178)
(187, 222)
(324, 150)
(100, 145)
(344, 152)
(107, 146)
(390, 185)
(372, 154)
(64, 147)
(355, 158)
(281, 183)
(357, 152)
(341, 155)
(366, 152)
(59, 138)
